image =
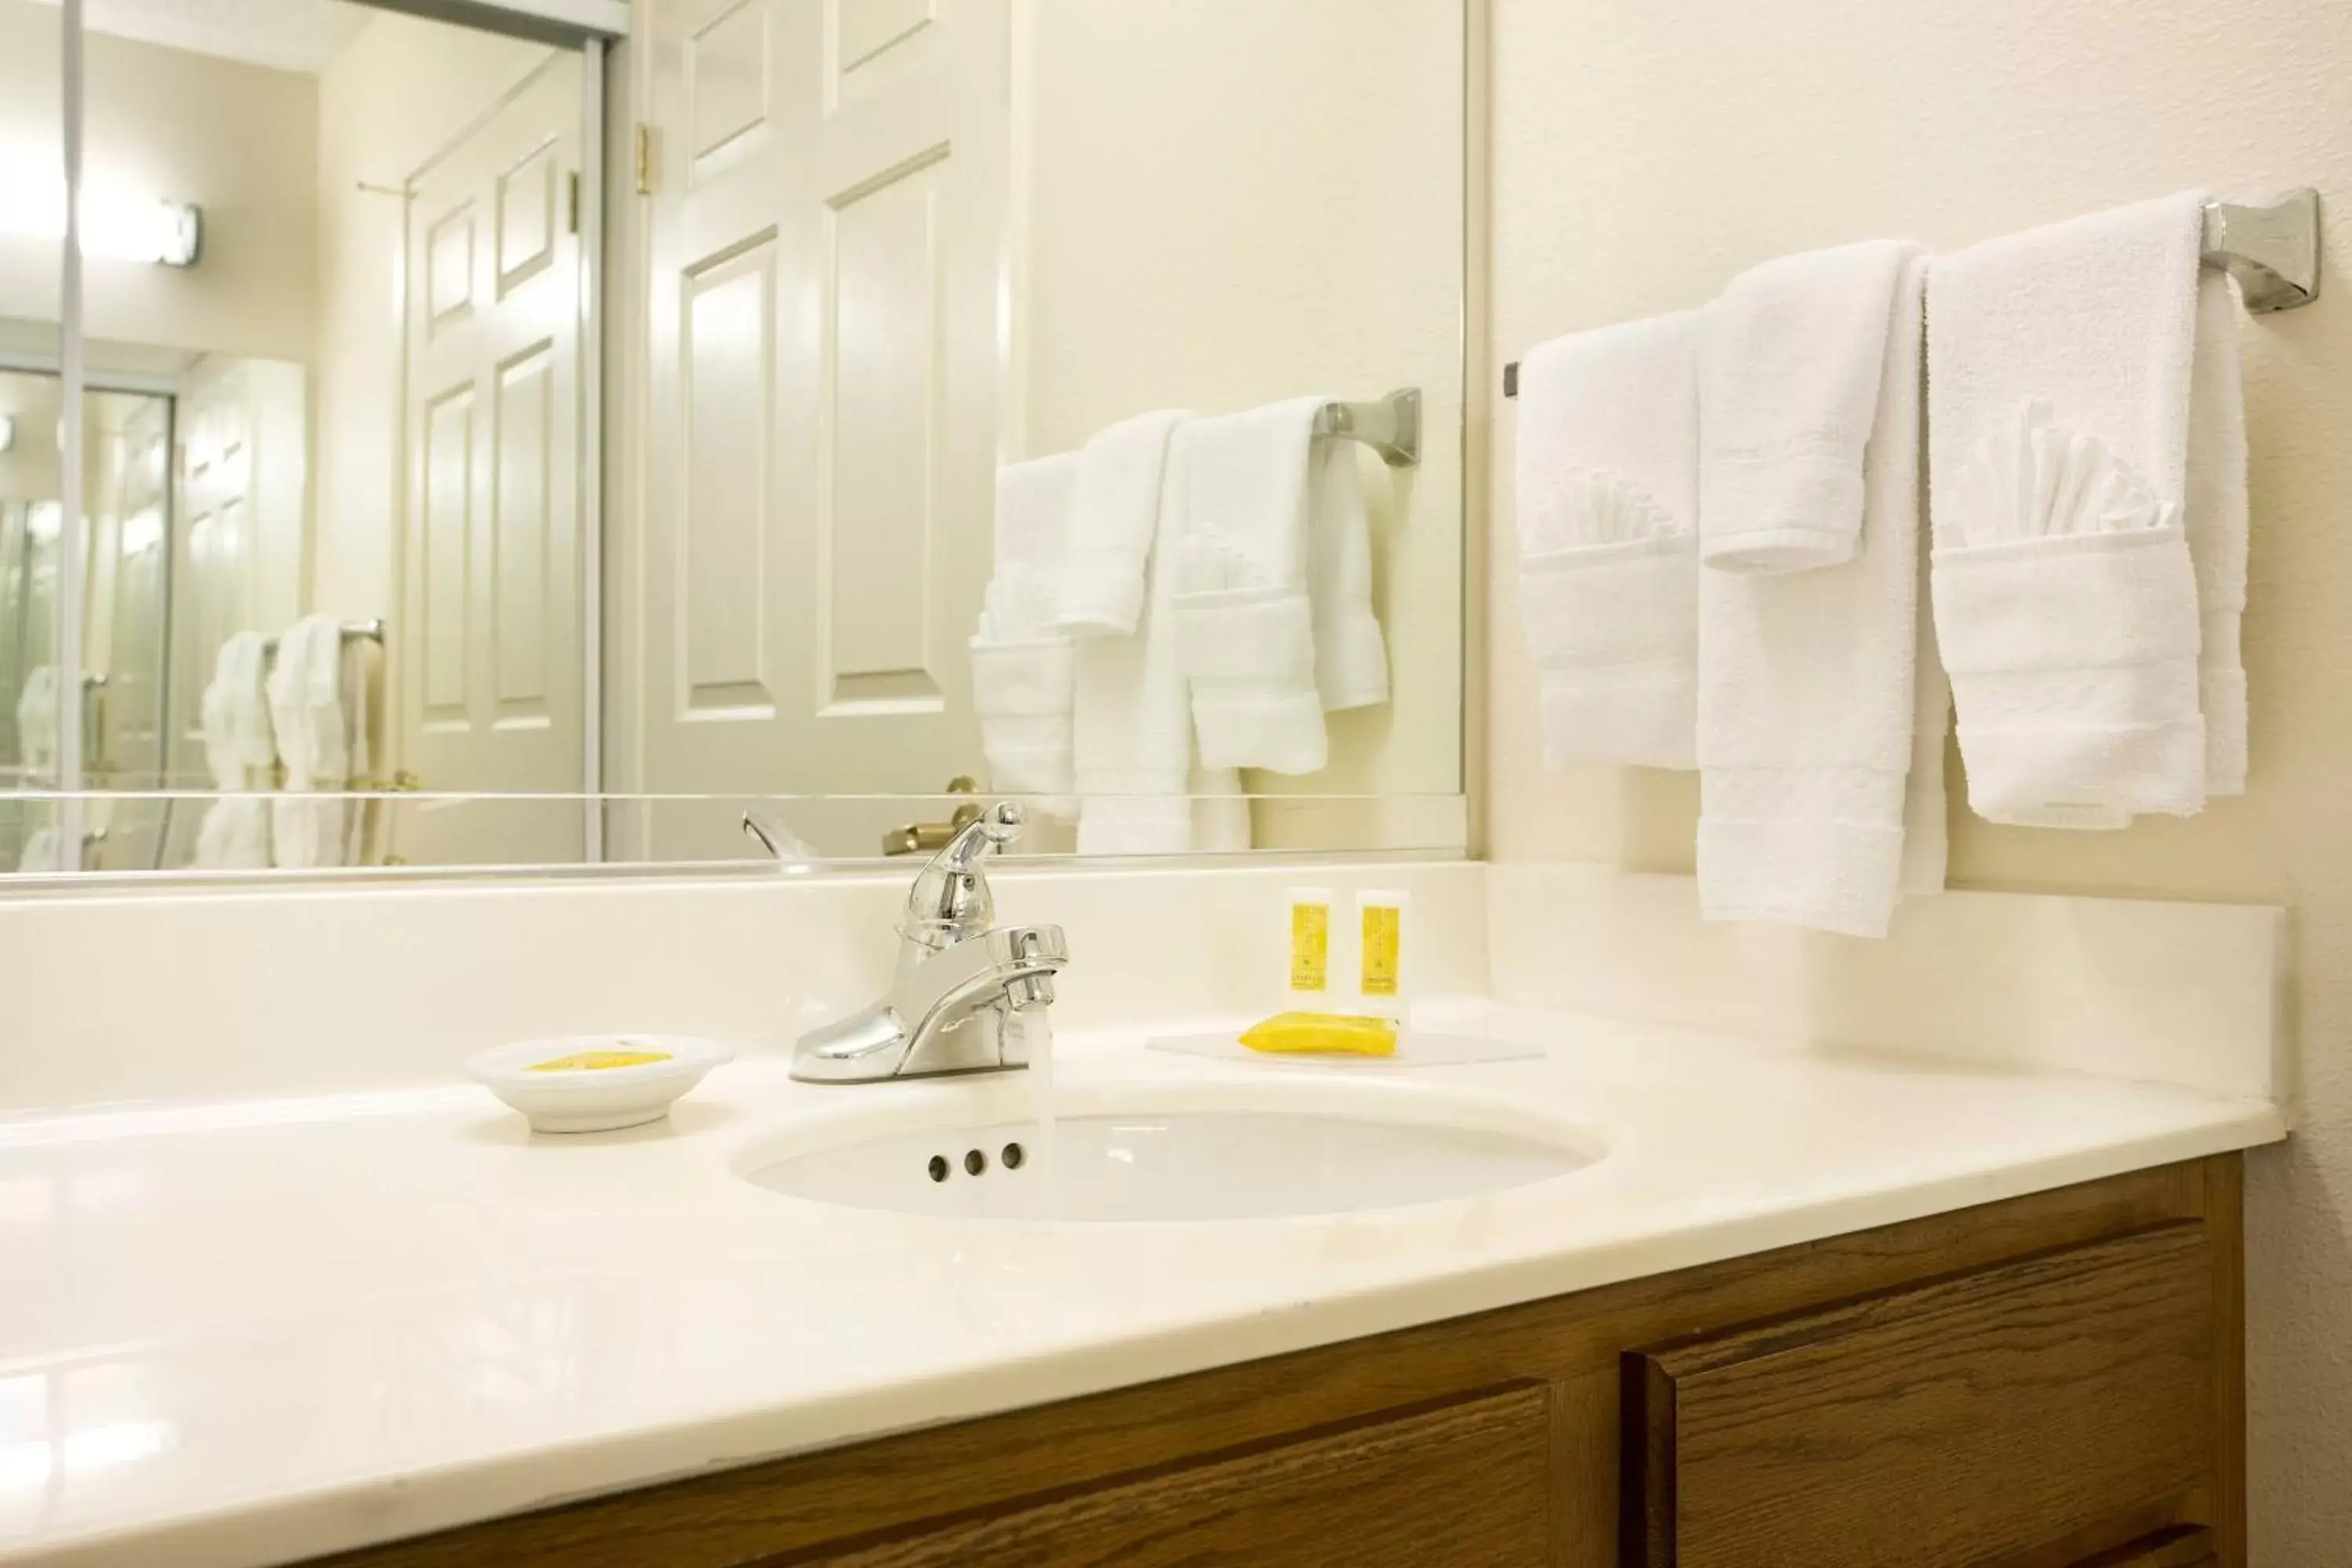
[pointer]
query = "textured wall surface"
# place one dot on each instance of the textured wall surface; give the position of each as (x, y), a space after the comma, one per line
(1644, 153)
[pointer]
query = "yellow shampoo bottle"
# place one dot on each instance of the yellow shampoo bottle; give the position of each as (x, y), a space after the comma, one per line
(1381, 976)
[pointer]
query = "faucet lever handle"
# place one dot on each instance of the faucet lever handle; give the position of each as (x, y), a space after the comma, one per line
(949, 900)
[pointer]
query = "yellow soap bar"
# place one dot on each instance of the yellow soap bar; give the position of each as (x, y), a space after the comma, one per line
(595, 1061)
(1343, 1033)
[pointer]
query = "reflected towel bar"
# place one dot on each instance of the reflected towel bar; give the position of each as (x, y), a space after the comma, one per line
(2272, 251)
(353, 631)
(1390, 427)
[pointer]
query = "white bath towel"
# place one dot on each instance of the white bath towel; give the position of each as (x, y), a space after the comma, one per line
(240, 751)
(1790, 358)
(1113, 520)
(37, 721)
(1141, 791)
(1808, 684)
(1022, 668)
(1608, 527)
(2061, 364)
(2218, 527)
(310, 697)
(1273, 593)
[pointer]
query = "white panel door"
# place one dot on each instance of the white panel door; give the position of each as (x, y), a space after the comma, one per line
(488, 635)
(828, 257)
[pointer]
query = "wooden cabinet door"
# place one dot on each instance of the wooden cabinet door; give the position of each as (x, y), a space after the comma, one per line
(1967, 1420)
(1461, 1482)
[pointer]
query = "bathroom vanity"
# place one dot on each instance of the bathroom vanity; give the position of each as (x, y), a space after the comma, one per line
(2052, 1380)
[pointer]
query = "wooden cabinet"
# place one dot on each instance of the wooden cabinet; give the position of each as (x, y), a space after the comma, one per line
(2055, 1382)
(2062, 1388)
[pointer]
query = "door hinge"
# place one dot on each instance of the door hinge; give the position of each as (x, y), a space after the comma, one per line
(644, 159)
(574, 200)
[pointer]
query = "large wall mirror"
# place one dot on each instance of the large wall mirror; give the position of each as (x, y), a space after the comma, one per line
(462, 435)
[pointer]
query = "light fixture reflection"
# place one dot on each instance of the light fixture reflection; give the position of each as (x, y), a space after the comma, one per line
(116, 226)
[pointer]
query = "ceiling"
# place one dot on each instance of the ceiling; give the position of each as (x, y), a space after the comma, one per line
(288, 35)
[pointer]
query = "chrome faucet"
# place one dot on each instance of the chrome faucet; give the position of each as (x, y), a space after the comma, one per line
(962, 981)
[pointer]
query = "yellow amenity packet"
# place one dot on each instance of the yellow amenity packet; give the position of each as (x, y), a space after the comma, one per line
(1344, 1034)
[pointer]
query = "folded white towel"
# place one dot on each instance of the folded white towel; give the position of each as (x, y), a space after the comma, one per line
(1608, 525)
(1790, 358)
(239, 750)
(1141, 790)
(1113, 520)
(2066, 601)
(39, 854)
(310, 696)
(1023, 670)
(37, 720)
(2218, 526)
(1807, 681)
(1273, 592)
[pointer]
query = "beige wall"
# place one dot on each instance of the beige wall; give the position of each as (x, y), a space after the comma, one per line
(1227, 203)
(394, 97)
(1644, 153)
(234, 139)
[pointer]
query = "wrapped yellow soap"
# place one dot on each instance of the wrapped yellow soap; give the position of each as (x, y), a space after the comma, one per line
(1344, 1034)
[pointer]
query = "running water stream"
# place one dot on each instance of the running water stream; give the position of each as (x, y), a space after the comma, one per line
(1036, 1025)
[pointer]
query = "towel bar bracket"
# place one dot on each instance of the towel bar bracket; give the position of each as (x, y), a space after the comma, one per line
(1390, 427)
(2272, 250)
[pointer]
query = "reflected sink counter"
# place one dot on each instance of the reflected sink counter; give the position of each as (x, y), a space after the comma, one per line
(258, 1331)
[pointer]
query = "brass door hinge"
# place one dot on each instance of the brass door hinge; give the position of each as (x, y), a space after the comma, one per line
(574, 200)
(644, 159)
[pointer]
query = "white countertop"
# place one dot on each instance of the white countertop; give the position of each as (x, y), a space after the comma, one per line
(252, 1332)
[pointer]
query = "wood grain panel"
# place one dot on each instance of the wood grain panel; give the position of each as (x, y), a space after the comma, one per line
(1460, 1483)
(2184, 1546)
(1950, 1423)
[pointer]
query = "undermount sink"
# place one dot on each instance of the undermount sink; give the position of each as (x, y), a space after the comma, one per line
(1169, 1152)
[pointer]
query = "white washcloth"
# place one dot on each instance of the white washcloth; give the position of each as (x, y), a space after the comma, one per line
(1021, 668)
(1274, 582)
(1608, 524)
(1808, 686)
(37, 720)
(239, 750)
(310, 712)
(2066, 600)
(1790, 358)
(1141, 791)
(1113, 520)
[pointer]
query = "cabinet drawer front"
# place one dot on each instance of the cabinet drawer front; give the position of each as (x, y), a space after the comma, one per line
(1463, 1483)
(1951, 1423)
(2183, 1546)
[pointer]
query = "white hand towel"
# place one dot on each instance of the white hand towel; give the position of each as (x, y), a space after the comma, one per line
(1273, 592)
(1113, 520)
(2217, 525)
(239, 750)
(1808, 681)
(1021, 668)
(1141, 789)
(37, 720)
(1790, 358)
(2066, 597)
(309, 692)
(1608, 525)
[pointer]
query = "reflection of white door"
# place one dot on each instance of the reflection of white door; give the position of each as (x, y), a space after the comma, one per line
(129, 506)
(829, 245)
(488, 636)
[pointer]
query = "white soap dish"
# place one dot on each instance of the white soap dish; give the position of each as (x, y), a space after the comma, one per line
(575, 1084)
